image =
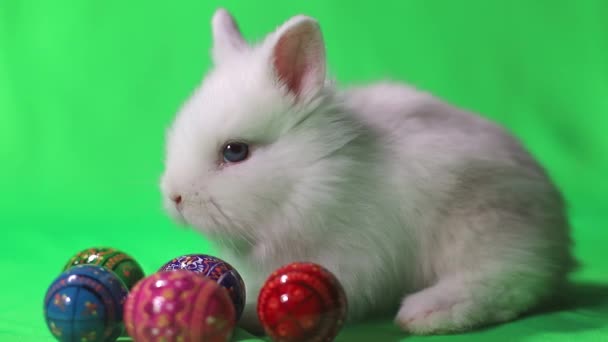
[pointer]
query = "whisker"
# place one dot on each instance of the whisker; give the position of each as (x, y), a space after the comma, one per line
(243, 232)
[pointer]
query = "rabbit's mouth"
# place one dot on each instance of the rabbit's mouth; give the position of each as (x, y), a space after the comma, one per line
(176, 212)
(179, 218)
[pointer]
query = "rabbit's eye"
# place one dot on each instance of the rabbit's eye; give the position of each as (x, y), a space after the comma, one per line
(235, 152)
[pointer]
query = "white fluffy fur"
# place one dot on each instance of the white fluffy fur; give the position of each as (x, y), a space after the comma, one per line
(412, 203)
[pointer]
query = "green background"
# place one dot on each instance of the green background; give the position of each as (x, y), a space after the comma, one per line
(87, 89)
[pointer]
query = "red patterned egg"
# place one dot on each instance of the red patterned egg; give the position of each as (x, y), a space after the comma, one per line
(179, 306)
(302, 302)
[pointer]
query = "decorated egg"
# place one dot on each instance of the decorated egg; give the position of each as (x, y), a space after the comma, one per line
(302, 302)
(125, 267)
(85, 303)
(179, 306)
(216, 269)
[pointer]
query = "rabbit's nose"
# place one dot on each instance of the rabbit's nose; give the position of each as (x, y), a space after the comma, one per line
(177, 199)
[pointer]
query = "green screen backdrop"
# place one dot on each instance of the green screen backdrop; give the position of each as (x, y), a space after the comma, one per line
(87, 89)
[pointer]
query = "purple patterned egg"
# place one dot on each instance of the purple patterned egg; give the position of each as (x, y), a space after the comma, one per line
(216, 269)
(179, 306)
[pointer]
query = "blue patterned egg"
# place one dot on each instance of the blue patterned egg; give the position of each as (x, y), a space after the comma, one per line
(85, 304)
(216, 269)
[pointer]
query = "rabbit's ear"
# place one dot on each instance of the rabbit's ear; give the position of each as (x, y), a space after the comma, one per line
(298, 56)
(227, 38)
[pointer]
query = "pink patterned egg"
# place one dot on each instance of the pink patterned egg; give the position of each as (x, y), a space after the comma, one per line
(179, 306)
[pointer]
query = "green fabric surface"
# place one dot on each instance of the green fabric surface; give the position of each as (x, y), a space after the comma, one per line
(87, 89)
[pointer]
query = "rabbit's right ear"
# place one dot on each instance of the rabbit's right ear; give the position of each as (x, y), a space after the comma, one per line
(227, 38)
(298, 56)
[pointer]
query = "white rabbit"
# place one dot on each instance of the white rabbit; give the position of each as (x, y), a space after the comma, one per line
(416, 206)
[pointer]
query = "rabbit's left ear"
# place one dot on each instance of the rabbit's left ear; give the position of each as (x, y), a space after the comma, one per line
(298, 56)
(227, 38)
